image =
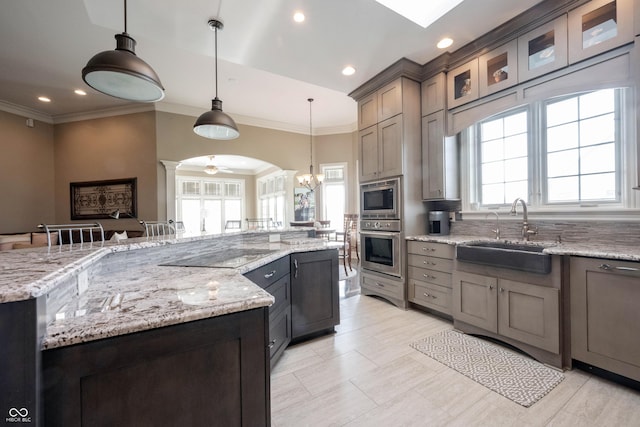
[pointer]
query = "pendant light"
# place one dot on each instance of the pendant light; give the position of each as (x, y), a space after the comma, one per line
(120, 73)
(210, 168)
(309, 180)
(215, 124)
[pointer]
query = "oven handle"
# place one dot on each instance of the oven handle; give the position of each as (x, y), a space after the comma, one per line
(380, 233)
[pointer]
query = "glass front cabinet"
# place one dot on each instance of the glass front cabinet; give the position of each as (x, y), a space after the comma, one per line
(499, 69)
(543, 50)
(462, 84)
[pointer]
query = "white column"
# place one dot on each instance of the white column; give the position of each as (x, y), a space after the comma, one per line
(170, 184)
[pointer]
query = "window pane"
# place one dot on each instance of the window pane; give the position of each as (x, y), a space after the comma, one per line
(515, 146)
(492, 130)
(598, 187)
(191, 215)
(492, 151)
(493, 194)
(233, 210)
(515, 124)
(212, 189)
(232, 189)
(597, 130)
(597, 103)
(563, 163)
(562, 112)
(601, 158)
(212, 216)
(563, 189)
(492, 172)
(513, 190)
(191, 188)
(563, 137)
(515, 169)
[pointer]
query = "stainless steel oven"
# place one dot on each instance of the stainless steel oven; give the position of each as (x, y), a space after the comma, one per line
(380, 245)
(380, 199)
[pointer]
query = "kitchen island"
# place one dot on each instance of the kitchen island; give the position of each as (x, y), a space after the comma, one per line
(108, 335)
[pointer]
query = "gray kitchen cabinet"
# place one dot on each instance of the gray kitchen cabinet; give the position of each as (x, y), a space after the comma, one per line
(275, 279)
(434, 94)
(381, 143)
(439, 160)
(525, 312)
(429, 275)
(314, 293)
(605, 320)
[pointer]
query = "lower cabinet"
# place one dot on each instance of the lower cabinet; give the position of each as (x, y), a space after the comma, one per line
(429, 275)
(202, 373)
(524, 312)
(605, 314)
(314, 293)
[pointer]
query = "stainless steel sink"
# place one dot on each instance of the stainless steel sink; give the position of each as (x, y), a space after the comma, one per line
(514, 256)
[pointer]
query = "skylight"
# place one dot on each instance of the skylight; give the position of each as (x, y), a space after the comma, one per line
(423, 13)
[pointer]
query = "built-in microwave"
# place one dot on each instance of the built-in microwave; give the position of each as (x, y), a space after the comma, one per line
(380, 199)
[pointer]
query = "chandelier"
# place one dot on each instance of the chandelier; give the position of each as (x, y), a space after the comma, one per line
(309, 180)
(210, 168)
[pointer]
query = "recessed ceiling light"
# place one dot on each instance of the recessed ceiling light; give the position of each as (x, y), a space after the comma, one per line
(444, 43)
(44, 99)
(80, 92)
(423, 13)
(348, 70)
(298, 17)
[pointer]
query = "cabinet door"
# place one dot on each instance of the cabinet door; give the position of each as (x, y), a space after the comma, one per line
(390, 147)
(475, 301)
(543, 50)
(605, 320)
(433, 156)
(530, 314)
(434, 94)
(390, 100)
(430, 296)
(314, 292)
(368, 111)
(368, 150)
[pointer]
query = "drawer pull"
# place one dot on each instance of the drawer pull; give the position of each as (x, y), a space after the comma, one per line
(490, 287)
(428, 276)
(270, 275)
(429, 295)
(501, 289)
(429, 249)
(429, 263)
(609, 268)
(272, 343)
(380, 284)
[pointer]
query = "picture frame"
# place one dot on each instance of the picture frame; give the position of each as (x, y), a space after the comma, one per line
(304, 204)
(101, 199)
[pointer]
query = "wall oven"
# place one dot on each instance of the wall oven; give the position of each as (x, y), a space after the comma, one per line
(380, 243)
(380, 199)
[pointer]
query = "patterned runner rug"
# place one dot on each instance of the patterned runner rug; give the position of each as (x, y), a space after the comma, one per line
(512, 375)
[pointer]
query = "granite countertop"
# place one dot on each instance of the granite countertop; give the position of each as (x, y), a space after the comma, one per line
(135, 299)
(584, 249)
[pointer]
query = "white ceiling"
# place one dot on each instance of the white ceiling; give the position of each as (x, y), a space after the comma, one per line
(268, 65)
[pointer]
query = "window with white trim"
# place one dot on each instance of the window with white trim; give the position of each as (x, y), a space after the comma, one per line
(272, 198)
(334, 194)
(556, 153)
(206, 204)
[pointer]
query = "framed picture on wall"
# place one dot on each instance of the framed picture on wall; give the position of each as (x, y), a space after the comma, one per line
(102, 199)
(304, 204)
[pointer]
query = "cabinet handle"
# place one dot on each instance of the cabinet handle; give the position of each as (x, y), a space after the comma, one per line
(380, 284)
(428, 276)
(429, 249)
(272, 343)
(490, 287)
(429, 295)
(295, 268)
(269, 275)
(501, 289)
(609, 268)
(429, 263)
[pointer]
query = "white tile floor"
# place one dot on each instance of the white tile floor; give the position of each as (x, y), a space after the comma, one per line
(367, 375)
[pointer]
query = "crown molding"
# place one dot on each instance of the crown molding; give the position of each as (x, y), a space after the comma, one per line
(29, 113)
(99, 114)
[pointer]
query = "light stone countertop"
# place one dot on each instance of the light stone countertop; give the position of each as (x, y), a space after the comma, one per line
(128, 300)
(583, 249)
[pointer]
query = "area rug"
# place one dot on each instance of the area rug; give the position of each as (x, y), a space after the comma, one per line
(512, 375)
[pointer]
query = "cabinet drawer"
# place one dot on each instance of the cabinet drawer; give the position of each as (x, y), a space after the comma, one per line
(431, 296)
(387, 287)
(432, 263)
(281, 292)
(269, 273)
(439, 250)
(279, 334)
(430, 276)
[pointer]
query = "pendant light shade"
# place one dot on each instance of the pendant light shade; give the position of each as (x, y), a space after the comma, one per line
(121, 74)
(215, 124)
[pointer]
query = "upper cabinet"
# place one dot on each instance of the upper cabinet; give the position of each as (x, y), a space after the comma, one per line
(388, 129)
(543, 50)
(498, 69)
(434, 94)
(598, 26)
(462, 84)
(380, 105)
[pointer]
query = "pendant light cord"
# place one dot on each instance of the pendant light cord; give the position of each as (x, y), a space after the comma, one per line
(216, 57)
(310, 135)
(125, 16)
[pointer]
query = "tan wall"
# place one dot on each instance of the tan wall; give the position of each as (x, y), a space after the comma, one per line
(337, 149)
(26, 174)
(108, 148)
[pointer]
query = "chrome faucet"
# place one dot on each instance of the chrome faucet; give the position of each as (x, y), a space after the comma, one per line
(527, 230)
(497, 230)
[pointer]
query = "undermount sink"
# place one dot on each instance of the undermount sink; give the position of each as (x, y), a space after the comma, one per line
(514, 256)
